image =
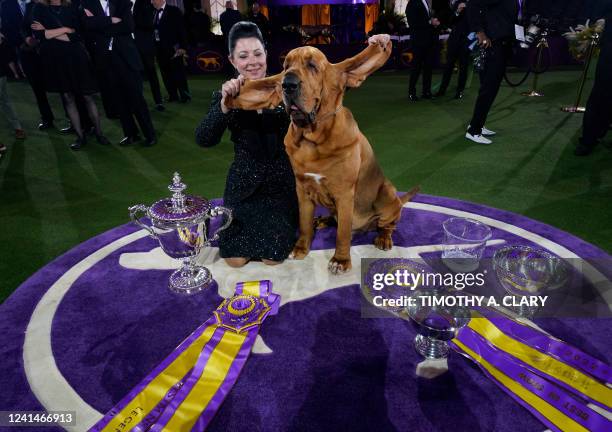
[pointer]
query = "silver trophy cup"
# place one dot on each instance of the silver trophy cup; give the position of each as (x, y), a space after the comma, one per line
(181, 225)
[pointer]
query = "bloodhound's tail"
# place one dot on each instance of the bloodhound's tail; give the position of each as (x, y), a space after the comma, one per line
(409, 195)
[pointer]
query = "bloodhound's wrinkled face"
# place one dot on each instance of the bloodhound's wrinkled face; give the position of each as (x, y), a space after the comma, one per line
(308, 81)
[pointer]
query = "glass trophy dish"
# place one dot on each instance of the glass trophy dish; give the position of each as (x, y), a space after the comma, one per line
(181, 225)
(435, 325)
(527, 271)
(464, 243)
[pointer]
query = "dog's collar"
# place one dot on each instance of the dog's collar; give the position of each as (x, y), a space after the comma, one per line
(324, 116)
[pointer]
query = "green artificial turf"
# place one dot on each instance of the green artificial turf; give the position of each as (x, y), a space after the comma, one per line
(53, 198)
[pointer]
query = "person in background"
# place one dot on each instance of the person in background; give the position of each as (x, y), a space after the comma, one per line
(228, 18)
(260, 19)
(598, 115)
(144, 15)
(7, 56)
(458, 50)
(198, 24)
(32, 65)
(493, 22)
(12, 13)
(110, 26)
(170, 38)
(66, 64)
(423, 26)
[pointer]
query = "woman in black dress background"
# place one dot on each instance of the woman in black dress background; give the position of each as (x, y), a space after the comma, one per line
(260, 186)
(66, 63)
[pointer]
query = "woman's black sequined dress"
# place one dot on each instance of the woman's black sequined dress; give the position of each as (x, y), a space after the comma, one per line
(260, 186)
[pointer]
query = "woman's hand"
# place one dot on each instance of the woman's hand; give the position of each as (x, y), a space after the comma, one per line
(379, 39)
(230, 88)
(37, 26)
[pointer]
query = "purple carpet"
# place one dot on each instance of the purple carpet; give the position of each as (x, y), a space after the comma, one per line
(329, 370)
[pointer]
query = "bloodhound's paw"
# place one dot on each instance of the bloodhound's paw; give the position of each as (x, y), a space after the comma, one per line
(339, 266)
(298, 252)
(383, 241)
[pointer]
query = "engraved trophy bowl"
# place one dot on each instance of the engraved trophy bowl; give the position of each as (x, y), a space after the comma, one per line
(435, 324)
(181, 225)
(526, 271)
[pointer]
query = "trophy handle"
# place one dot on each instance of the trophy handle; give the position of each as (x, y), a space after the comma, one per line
(216, 212)
(134, 210)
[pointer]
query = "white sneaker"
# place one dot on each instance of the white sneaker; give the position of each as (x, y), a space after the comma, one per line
(480, 139)
(486, 132)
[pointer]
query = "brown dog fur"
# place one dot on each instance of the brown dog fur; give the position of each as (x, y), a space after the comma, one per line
(333, 161)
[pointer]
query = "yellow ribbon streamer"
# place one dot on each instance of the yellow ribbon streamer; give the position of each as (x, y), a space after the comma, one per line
(154, 392)
(543, 362)
(208, 383)
(555, 416)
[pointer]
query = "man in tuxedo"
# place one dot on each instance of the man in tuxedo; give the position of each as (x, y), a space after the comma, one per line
(457, 49)
(144, 14)
(422, 25)
(110, 25)
(32, 66)
(493, 22)
(170, 38)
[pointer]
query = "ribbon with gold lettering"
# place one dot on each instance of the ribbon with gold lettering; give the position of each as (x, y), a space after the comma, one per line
(186, 389)
(550, 403)
(542, 363)
(551, 387)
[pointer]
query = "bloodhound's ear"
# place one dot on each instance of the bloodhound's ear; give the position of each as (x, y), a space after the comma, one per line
(359, 67)
(258, 94)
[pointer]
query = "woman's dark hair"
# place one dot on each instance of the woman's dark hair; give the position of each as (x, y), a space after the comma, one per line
(242, 30)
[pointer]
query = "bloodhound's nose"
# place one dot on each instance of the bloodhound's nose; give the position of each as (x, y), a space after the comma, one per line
(290, 84)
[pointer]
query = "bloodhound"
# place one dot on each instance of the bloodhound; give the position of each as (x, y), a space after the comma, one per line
(333, 162)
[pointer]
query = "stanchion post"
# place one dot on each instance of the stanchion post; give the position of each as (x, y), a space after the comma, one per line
(543, 43)
(576, 108)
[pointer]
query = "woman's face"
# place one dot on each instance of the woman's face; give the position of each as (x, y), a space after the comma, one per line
(249, 58)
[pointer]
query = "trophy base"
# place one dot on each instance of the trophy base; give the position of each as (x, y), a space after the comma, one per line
(190, 280)
(431, 348)
(573, 109)
(532, 93)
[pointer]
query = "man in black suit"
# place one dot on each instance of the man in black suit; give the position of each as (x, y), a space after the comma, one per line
(144, 14)
(110, 25)
(260, 20)
(32, 66)
(170, 39)
(598, 116)
(457, 49)
(493, 21)
(228, 18)
(422, 25)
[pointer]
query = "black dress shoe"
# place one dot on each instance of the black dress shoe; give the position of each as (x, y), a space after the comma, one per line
(185, 99)
(427, 96)
(413, 97)
(43, 125)
(78, 144)
(150, 142)
(160, 107)
(459, 95)
(102, 140)
(67, 130)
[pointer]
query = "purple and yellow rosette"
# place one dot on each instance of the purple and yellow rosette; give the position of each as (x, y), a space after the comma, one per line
(565, 388)
(184, 392)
